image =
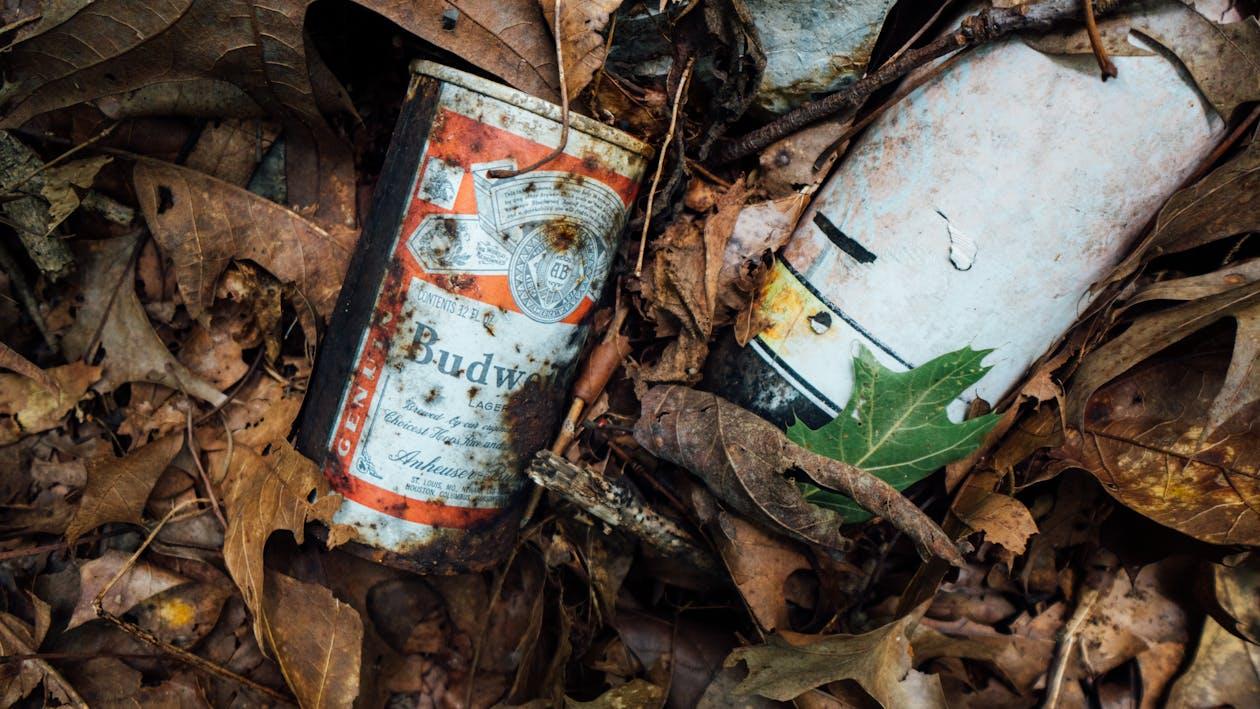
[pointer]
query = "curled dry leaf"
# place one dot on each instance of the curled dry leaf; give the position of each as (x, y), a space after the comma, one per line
(790, 664)
(117, 488)
(265, 494)
(1236, 584)
(1003, 519)
(27, 406)
(581, 22)
(204, 223)
(138, 583)
(1153, 332)
(744, 459)
(316, 640)
(111, 315)
(1143, 437)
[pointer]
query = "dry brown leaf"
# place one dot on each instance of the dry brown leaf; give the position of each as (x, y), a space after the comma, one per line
(213, 354)
(1144, 438)
(760, 565)
(743, 459)
(1154, 332)
(184, 615)
(133, 351)
(1225, 203)
(509, 38)
(265, 494)
(27, 407)
(204, 223)
(581, 22)
(20, 678)
(247, 54)
(681, 288)
(138, 583)
(10, 359)
(1223, 59)
(791, 664)
(316, 639)
(1135, 617)
(1003, 519)
(60, 183)
(1225, 672)
(117, 488)
(230, 149)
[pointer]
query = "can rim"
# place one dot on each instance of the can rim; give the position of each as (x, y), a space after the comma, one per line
(533, 104)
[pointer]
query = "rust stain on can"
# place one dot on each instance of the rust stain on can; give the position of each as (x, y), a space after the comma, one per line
(459, 375)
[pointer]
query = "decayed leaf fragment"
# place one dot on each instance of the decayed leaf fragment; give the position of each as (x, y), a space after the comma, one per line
(27, 406)
(581, 22)
(111, 315)
(117, 488)
(265, 494)
(1144, 437)
(316, 639)
(204, 223)
(790, 664)
(743, 459)
(1003, 519)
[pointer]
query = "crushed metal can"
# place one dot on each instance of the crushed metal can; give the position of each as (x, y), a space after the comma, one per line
(978, 211)
(467, 302)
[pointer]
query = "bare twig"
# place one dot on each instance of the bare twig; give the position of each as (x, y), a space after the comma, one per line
(985, 26)
(1067, 641)
(178, 653)
(660, 163)
(564, 111)
(1107, 66)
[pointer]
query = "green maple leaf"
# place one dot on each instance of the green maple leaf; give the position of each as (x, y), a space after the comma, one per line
(895, 426)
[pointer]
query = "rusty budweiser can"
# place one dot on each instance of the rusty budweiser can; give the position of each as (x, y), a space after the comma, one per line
(978, 211)
(467, 301)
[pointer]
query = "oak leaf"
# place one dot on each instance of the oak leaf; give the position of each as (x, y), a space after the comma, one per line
(203, 223)
(315, 638)
(895, 425)
(790, 664)
(117, 488)
(266, 494)
(111, 315)
(1224, 672)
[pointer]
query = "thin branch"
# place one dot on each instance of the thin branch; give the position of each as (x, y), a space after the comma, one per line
(178, 653)
(660, 163)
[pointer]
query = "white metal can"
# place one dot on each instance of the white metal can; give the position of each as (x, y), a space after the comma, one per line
(467, 302)
(978, 211)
